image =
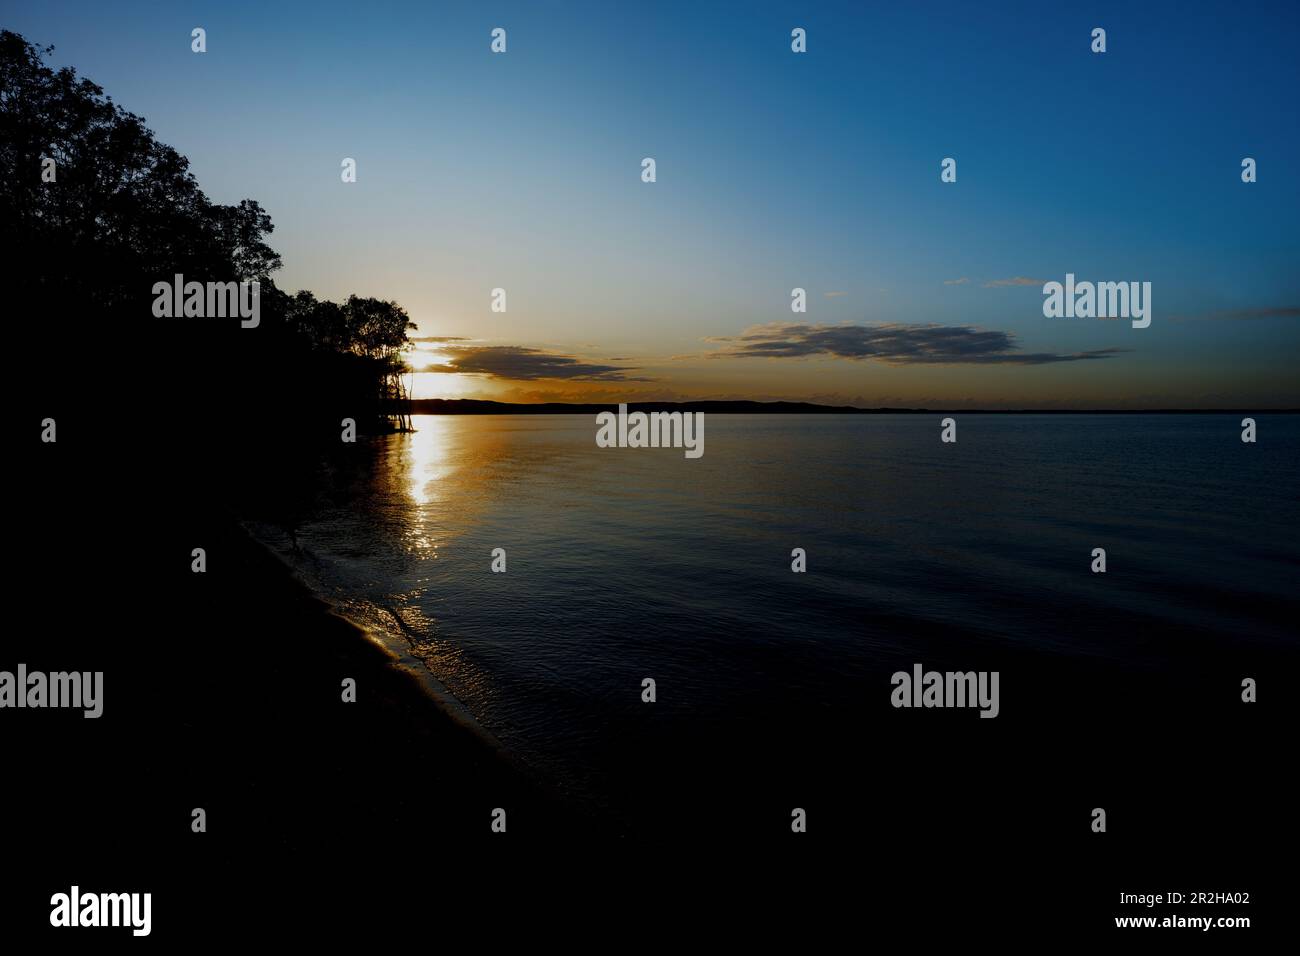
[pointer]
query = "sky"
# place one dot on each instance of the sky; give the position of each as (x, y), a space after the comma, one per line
(775, 170)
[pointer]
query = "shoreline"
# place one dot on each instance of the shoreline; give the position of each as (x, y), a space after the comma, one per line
(397, 653)
(435, 758)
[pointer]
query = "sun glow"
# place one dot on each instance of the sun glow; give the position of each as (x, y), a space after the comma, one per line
(421, 360)
(424, 383)
(448, 385)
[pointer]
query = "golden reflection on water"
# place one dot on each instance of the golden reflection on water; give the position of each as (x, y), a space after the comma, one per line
(439, 477)
(432, 485)
(435, 483)
(423, 467)
(427, 460)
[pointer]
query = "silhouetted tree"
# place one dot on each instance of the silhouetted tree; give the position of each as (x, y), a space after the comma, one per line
(124, 211)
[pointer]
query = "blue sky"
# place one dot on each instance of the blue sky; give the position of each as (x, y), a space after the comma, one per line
(775, 170)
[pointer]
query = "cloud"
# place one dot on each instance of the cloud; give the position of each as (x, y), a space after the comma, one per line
(893, 344)
(962, 281)
(1014, 280)
(440, 338)
(519, 363)
(834, 295)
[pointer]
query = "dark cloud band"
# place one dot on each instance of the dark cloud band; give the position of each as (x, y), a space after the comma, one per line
(527, 364)
(892, 343)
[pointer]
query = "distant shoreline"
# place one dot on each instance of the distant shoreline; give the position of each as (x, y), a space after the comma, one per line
(472, 406)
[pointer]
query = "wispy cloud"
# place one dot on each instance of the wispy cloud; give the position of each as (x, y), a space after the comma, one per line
(962, 281)
(834, 295)
(1014, 280)
(1238, 315)
(893, 344)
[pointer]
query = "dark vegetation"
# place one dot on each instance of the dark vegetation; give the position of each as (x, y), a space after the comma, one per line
(241, 413)
(221, 689)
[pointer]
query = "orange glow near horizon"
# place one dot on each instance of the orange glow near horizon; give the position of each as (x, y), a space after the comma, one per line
(449, 384)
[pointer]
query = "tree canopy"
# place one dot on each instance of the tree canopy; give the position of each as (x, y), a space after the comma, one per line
(118, 211)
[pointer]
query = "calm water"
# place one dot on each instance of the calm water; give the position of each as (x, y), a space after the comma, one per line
(628, 563)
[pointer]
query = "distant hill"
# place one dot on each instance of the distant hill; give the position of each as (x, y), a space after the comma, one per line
(474, 406)
(471, 406)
